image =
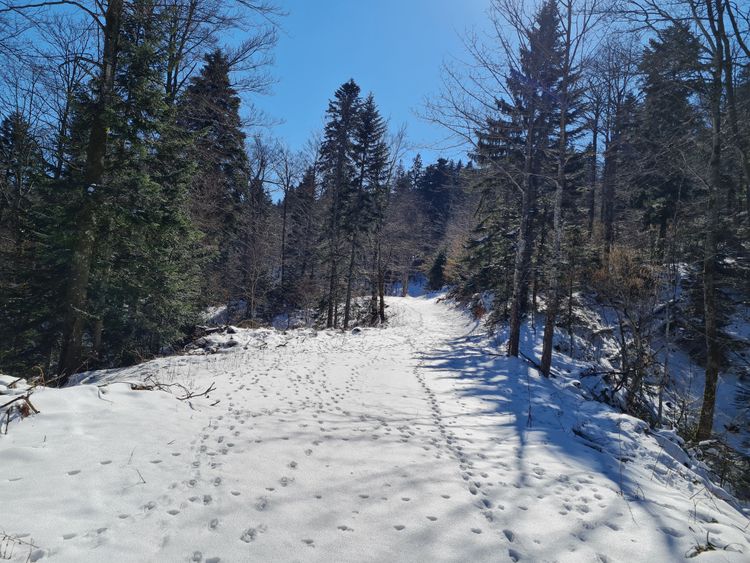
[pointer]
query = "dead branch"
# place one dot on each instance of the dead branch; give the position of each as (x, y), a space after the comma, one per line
(151, 384)
(24, 410)
(24, 398)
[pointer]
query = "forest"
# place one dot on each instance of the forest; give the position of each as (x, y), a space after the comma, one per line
(605, 168)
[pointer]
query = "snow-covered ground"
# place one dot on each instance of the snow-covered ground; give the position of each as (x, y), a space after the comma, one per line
(410, 443)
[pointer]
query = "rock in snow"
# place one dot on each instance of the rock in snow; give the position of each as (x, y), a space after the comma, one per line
(400, 444)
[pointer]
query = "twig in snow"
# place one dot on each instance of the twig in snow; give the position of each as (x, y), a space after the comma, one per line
(24, 398)
(24, 410)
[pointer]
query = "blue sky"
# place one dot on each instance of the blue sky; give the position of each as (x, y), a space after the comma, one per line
(392, 48)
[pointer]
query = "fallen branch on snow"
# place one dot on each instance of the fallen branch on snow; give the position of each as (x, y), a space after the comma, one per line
(25, 410)
(156, 385)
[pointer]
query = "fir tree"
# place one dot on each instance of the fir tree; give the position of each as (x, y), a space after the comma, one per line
(514, 148)
(210, 111)
(338, 175)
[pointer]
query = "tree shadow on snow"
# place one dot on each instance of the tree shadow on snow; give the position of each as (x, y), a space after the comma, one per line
(524, 410)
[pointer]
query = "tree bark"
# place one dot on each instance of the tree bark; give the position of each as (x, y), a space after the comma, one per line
(553, 301)
(349, 278)
(713, 353)
(80, 264)
(593, 173)
(522, 267)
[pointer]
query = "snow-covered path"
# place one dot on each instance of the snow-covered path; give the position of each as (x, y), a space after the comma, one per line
(404, 444)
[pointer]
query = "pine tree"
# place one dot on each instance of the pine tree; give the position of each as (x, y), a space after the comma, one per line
(92, 199)
(304, 232)
(338, 176)
(365, 205)
(436, 275)
(209, 110)
(665, 125)
(143, 277)
(22, 179)
(434, 185)
(515, 146)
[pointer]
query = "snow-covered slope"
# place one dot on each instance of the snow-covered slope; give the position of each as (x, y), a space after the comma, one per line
(411, 443)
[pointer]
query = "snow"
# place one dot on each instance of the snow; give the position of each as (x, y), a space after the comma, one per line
(417, 442)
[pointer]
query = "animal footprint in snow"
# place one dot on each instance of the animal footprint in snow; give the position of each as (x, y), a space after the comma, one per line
(292, 465)
(399, 527)
(345, 528)
(74, 472)
(173, 512)
(284, 481)
(309, 542)
(251, 534)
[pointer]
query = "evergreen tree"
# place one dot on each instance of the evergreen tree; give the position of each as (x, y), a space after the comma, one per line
(435, 185)
(366, 204)
(338, 175)
(514, 148)
(210, 111)
(22, 179)
(143, 279)
(436, 275)
(304, 231)
(666, 124)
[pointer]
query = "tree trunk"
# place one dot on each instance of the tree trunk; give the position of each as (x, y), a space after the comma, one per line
(381, 294)
(283, 237)
(80, 263)
(593, 174)
(332, 295)
(739, 137)
(405, 280)
(705, 424)
(349, 278)
(557, 220)
(553, 301)
(374, 285)
(608, 194)
(521, 268)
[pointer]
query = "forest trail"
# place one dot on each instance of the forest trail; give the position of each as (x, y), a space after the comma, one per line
(409, 443)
